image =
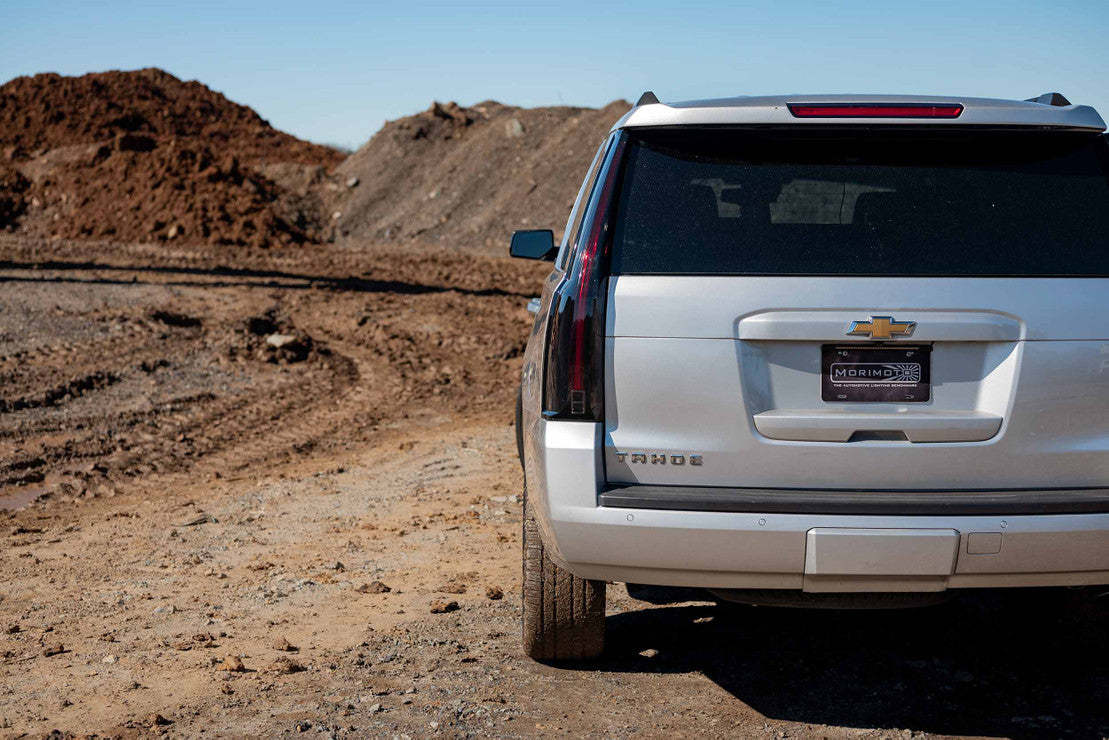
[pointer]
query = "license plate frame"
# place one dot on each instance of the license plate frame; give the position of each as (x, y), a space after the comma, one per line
(861, 373)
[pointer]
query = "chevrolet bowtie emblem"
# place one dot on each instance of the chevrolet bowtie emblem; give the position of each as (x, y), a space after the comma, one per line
(881, 327)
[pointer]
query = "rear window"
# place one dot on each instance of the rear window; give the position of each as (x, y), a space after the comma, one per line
(718, 201)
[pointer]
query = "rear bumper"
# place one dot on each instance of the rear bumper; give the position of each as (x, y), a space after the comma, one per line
(639, 542)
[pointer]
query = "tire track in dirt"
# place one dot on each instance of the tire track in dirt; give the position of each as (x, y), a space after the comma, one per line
(48, 382)
(175, 379)
(77, 424)
(263, 431)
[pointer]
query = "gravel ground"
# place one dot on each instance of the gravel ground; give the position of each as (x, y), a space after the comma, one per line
(318, 535)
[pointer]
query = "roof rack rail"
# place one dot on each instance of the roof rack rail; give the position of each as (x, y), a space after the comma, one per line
(1051, 98)
(646, 98)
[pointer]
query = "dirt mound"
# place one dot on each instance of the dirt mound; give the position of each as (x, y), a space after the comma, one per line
(145, 156)
(13, 186)
(469, 176)
(47, 111)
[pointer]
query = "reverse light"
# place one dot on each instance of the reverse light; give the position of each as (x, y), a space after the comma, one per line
(875, 110)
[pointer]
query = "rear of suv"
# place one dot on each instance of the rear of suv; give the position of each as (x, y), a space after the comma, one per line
(806, 349)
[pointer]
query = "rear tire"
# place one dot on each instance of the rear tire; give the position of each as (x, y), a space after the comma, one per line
(564, 616)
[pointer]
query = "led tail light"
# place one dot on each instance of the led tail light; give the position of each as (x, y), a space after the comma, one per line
(574, 375)
(875, 110)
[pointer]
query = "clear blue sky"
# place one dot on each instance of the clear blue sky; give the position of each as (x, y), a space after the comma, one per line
(334, 72)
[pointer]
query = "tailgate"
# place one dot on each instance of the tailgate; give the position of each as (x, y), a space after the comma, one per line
(728, 369)
(860, 310)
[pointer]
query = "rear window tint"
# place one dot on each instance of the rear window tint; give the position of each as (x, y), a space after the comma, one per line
(717, 201)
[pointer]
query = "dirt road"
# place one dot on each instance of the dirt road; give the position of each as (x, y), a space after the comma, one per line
(280, 498)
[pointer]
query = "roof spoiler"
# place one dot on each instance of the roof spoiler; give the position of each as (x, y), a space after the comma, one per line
(1051, 98)
(648, 98)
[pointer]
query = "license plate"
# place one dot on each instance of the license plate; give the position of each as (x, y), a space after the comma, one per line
(861, 374)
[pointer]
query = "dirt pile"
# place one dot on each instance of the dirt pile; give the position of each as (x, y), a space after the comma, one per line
(469, 176)
(145, 156)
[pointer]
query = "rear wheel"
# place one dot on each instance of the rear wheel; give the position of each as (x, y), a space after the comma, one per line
(564, 616)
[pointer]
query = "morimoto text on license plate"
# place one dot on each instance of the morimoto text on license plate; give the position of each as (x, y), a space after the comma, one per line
(861, 374)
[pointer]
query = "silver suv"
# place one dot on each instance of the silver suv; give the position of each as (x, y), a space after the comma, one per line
(820, 350)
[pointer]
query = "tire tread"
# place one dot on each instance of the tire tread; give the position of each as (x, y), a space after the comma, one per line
(564, 616)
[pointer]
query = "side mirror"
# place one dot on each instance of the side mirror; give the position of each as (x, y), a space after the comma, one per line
(534, 245)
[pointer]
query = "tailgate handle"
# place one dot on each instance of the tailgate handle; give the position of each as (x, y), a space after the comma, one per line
(834, 425)
(831, 326)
